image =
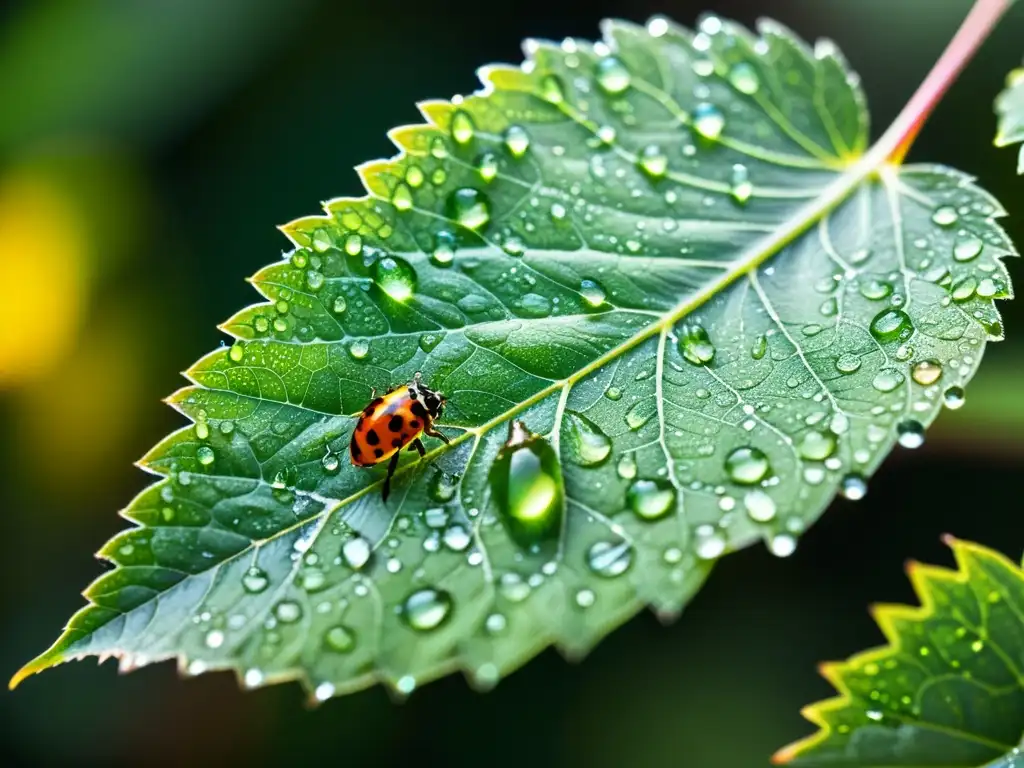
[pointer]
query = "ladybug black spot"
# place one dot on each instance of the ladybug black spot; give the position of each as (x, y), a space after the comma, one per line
(396, 443)
(395, 423)
(418, 409)
(378, 452)
(371, 437)
(414, 424)
(356, 452)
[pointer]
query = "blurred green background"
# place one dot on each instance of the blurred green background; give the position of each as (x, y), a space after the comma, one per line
(147, 151)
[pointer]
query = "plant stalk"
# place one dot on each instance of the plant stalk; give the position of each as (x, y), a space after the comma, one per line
(976, 27)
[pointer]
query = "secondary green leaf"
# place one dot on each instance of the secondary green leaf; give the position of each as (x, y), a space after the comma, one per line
(663, 255)
(948, 689)
(1010, 108)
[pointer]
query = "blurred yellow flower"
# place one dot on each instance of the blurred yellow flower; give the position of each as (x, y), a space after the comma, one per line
(43, 248)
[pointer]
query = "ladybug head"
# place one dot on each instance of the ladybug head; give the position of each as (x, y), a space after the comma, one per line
(432, 401)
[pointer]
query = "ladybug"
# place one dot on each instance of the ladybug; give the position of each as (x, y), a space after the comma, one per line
(391, 422)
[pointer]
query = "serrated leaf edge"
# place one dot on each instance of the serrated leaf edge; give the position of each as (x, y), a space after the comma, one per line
(885, 615)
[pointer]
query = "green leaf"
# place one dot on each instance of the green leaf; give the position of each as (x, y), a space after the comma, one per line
(947, 690)
(1010, 108)
(665, 255)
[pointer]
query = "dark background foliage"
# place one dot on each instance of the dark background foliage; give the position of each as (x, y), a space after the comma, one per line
(148, 149)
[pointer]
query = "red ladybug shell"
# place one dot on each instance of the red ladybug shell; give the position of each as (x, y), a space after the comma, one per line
(391, 422)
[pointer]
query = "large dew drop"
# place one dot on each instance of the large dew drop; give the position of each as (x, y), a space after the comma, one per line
(469, 207)
(610, 558)
(708, 120)
(612, 76)
(744, 78)
(462, 128)
(817, 446)
(589, 446)
(395, 277)
(747, 465)
(426, 609)
(526, 486)
(651, 499)
(892, 325)
(695, 344)
(517, 141)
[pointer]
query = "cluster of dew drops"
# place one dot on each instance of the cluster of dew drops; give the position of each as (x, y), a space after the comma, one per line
(427, 608)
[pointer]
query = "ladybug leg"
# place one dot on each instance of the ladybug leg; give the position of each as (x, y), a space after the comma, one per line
(417, 445)
(434, 433)
(392, 466)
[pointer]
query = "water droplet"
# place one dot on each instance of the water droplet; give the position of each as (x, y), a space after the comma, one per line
(426, 609)
(255, 580)
(299, 259)
(526, 486)
(610, 558)
(487, 167)
(444, 249)
(651, 499)
(204, 454)
(848, 363)
(887, 379)
(953, 398)
(214, 639)
(331, 463)
(340, 304)
(443, 487)
(626, 468)
(747, 465)
(406, 684)
(457, 538)
(612, 76)
(395, 277)
(613, 393)
(359, 348)
(759, 347)
(288, 611)
(469, 207)
(585, 598)
(551, 89)
(782, 545)
(964, 289)
(261, 324)
(462, 127)
(708, 543)
(740, 186)
(641, 412)
(708, 120)
(875, 290)
(253, 678)
(413, 177)
(892, 325)
(853, 487)
(401, 197)
(744, 78)
(517, 140)
(653, 161)
(910, 433)
(356, 552)
(237, 352)
(322, 240)
(967, 248)
(817, 446)
(926, 372)
(759, 505)
(589, 446)
(945, 216)
(496, 623)
(695, 344)
(592, 292)
(353, 245)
